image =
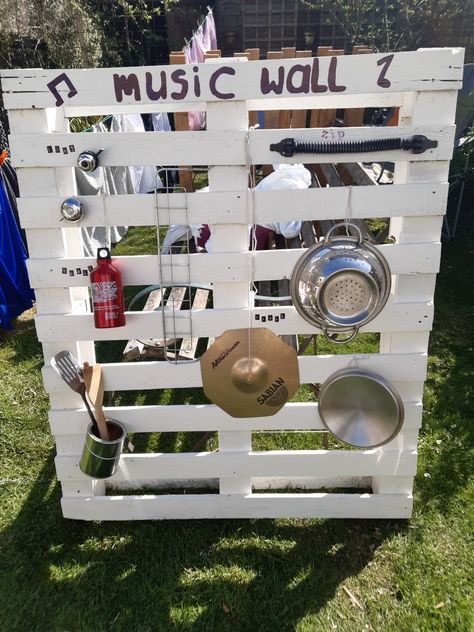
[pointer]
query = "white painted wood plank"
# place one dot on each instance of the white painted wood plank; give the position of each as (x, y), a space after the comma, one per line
(428, 107)
(396, 317)
(53, 182)
(392, 484)
(221, 147)
(435, 69)
(173, 507)
(143, 467)
(224, 207)
(402, 367)
(299, 416)
(217, 267)
(82, 489)
(228, 237)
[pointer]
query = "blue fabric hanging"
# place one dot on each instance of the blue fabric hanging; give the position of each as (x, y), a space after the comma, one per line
(15, 293)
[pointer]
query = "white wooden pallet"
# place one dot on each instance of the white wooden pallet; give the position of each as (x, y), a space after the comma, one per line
(423, 84)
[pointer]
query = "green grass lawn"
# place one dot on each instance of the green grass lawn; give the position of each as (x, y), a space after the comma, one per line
(238, 575)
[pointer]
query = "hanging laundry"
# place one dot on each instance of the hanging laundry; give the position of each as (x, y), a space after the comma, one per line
(285, 177)
(143, 177)
(16, 295)
(118, 180)
(203, 40)
(160, 122)
(209, 26)
(103, 181)
(196, 120)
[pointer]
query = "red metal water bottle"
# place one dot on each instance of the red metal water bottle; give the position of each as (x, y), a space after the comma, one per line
(107, 296)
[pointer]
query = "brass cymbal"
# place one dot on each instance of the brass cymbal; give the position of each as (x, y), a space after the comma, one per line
(255, 385)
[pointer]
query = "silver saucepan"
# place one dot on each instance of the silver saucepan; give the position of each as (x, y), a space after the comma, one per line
(360, 408)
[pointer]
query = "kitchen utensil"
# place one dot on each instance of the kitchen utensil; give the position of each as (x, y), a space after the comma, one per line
(340, 284)
(72, 209)
(95, 389)
(100, 458)
(66, 365)
(249, 372)
(360, 408)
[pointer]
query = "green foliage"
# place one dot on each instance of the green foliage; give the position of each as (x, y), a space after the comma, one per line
(394, 25)
(54, 33)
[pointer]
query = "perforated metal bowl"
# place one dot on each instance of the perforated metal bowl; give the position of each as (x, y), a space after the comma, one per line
(340, 284)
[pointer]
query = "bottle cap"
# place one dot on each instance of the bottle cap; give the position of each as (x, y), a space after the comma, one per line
(103, 253)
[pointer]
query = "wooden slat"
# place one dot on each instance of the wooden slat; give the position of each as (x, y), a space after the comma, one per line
(216, 207)
(144, 467)
(422, 70)
(150, 507)
(426, 107)
(218, 267)
(223, 147)
(395, 317)
(407, 316)
(201, 417)
(229, 238)
(312, 369)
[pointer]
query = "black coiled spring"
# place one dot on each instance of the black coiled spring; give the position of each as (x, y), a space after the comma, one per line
(289, 146)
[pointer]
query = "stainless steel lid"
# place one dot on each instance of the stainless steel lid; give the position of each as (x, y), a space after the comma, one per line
(360, 408)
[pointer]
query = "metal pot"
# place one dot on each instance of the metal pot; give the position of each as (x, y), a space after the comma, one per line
(360, 408)
(340, 284)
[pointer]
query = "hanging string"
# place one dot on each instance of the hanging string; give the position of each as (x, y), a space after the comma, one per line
(348, 213)
(252, 289)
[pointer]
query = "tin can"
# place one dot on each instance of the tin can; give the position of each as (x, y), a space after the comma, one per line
(100, 458)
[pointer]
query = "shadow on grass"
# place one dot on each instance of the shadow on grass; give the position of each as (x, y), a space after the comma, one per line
(448, 432)
(200, 575)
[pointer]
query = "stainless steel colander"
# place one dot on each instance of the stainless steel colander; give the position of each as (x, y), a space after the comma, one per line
(340, 284)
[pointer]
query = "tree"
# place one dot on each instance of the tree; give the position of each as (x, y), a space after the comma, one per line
(391, 25)
(48, 33)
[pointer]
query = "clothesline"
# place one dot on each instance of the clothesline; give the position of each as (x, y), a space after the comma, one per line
(209, 11)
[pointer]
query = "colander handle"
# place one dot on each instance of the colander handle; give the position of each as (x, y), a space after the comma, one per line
(327, 238)
(340, 341)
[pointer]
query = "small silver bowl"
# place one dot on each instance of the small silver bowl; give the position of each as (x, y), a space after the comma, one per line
(341, 283)
(360, 408)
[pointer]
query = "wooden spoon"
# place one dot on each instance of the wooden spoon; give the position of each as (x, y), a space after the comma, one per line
(95, 390)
